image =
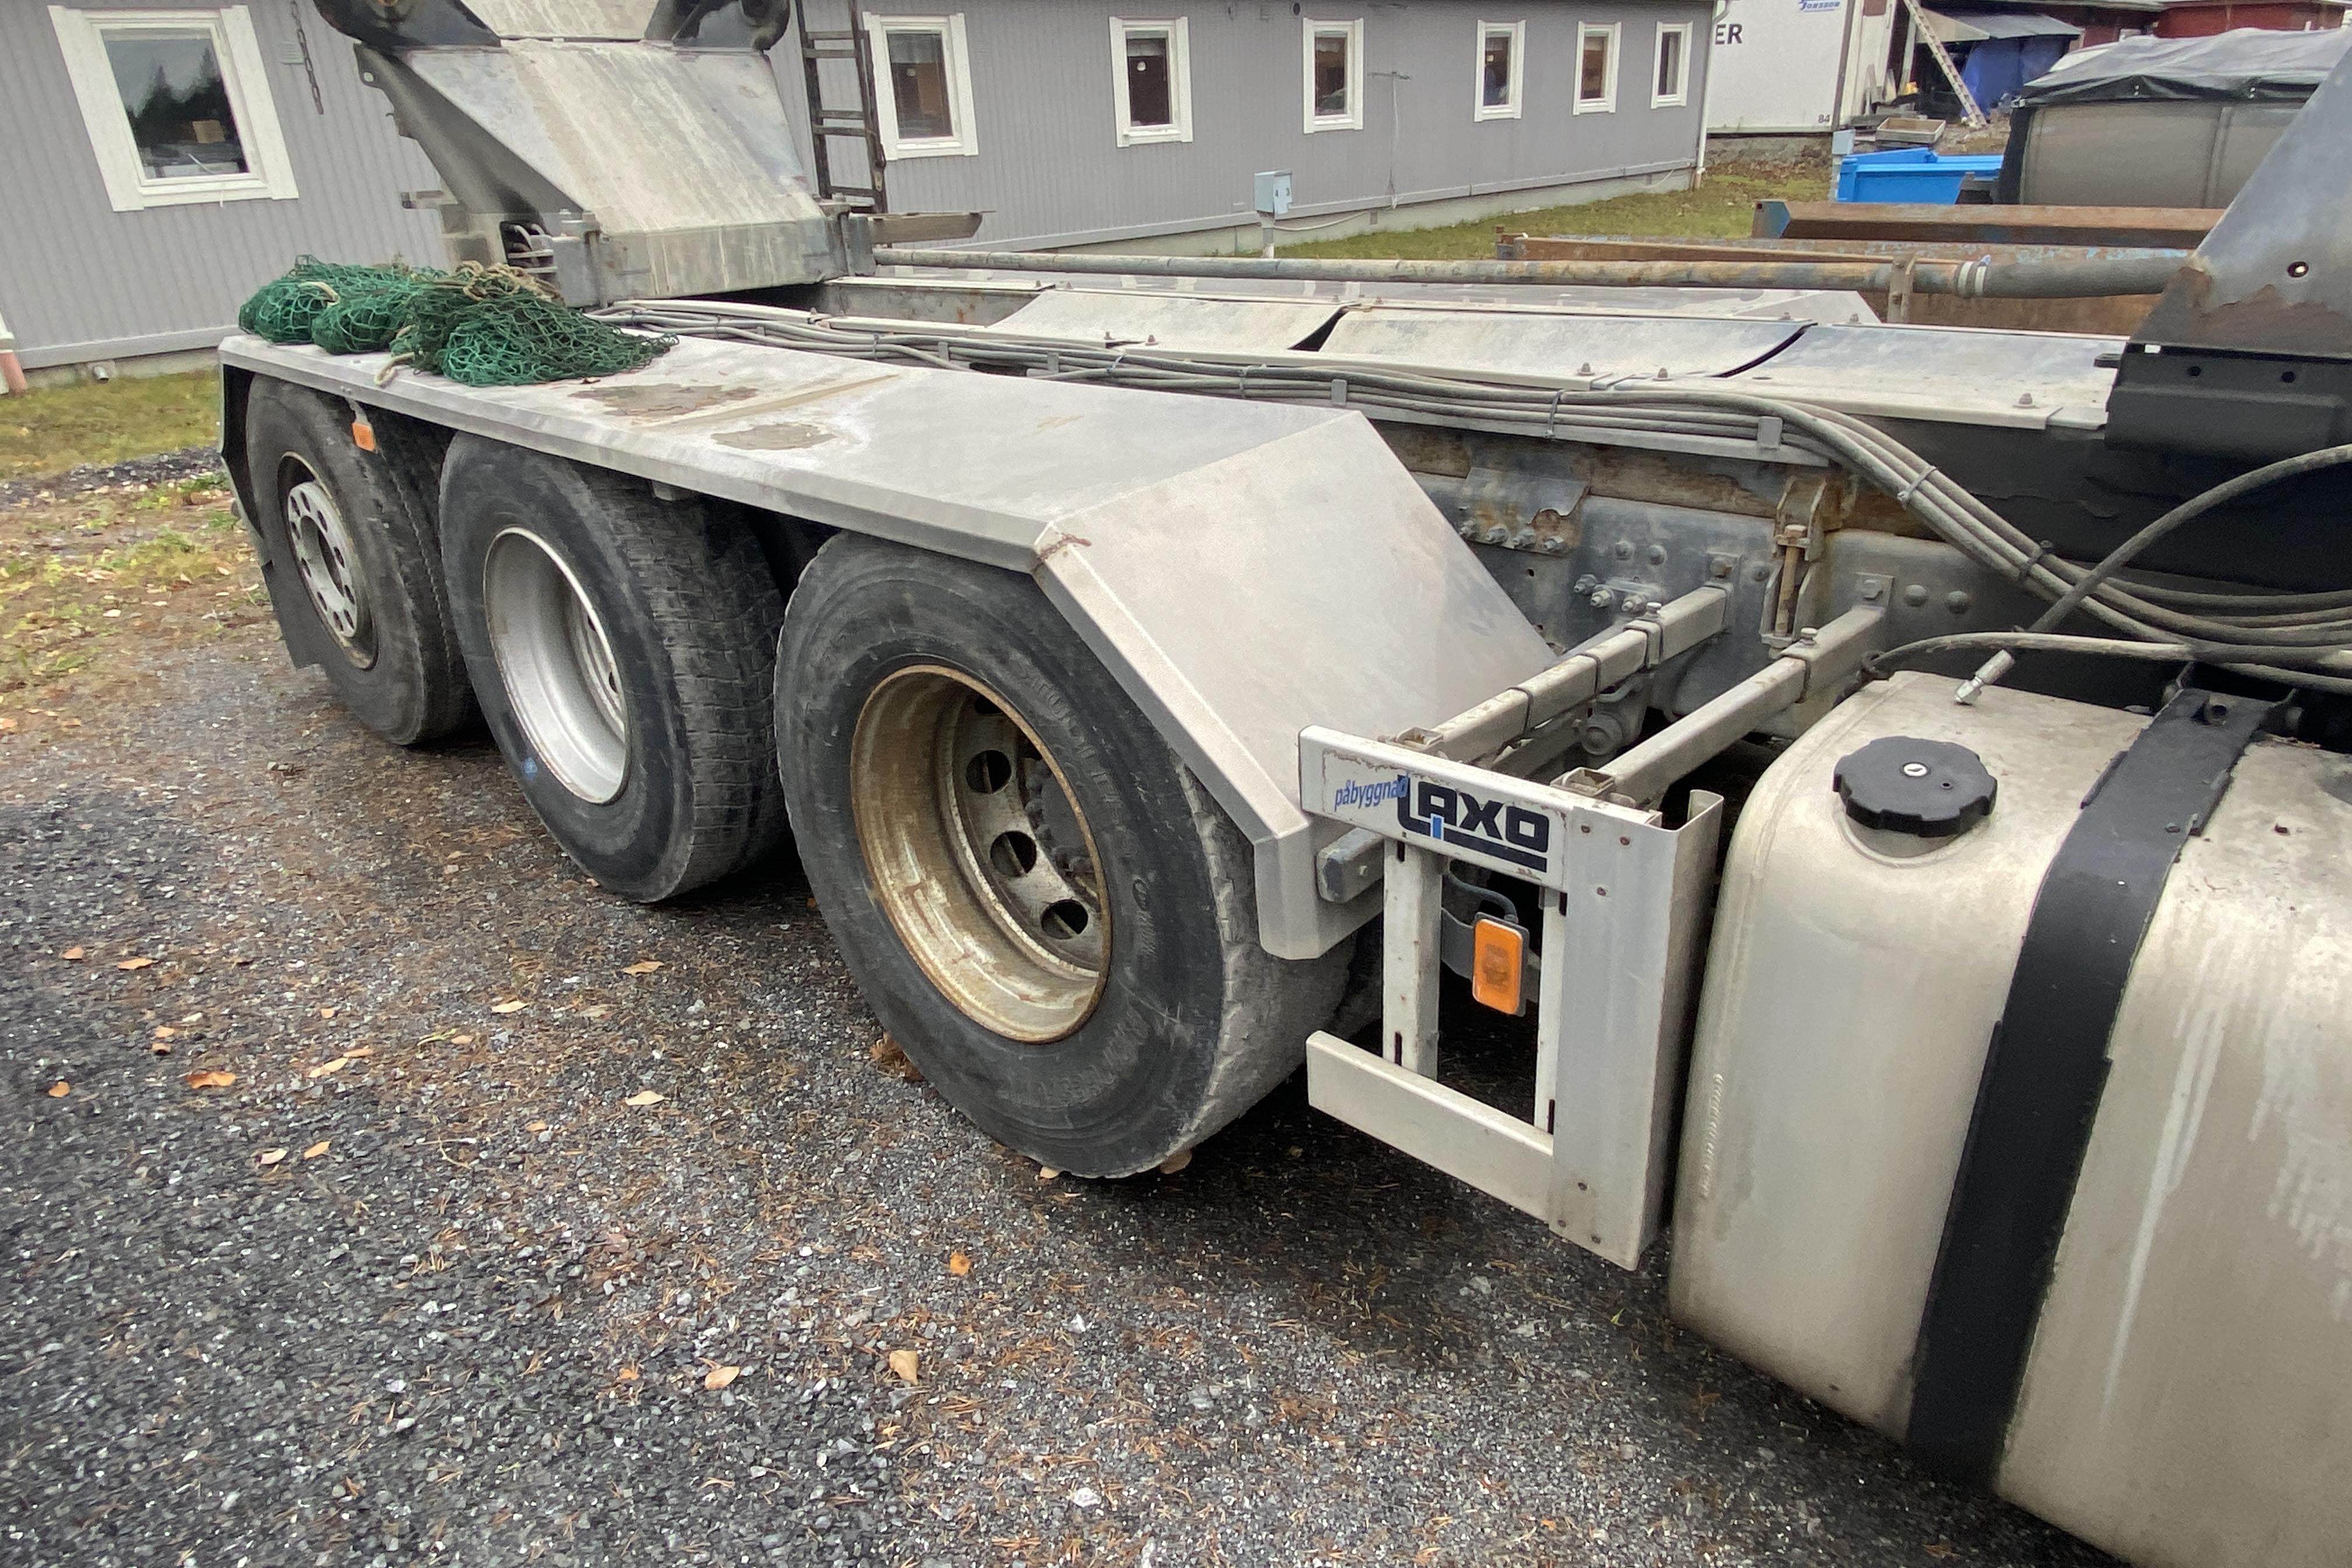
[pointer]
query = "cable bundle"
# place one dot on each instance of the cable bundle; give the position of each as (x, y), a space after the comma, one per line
(2302, 639)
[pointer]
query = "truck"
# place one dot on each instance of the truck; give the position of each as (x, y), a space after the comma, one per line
(1890, 780)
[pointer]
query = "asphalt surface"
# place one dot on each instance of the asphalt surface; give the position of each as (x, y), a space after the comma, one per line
(422, 1284)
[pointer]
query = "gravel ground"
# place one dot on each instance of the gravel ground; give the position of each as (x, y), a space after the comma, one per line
(431, 1281)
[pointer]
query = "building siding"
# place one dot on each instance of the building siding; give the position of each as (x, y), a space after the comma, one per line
(1050, 171)
(80, 281)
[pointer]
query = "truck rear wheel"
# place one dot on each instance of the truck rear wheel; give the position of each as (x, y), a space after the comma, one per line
(622, 648)
(1040, 902)
(358, 569)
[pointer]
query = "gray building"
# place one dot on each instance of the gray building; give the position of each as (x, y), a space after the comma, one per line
(161, 161)
(1088, 122)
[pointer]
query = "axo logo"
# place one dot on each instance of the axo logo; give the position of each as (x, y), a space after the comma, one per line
(1448, 816)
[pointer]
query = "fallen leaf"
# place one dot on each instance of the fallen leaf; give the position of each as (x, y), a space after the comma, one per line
(356, 1052)
(71, 955)
(1046, 1173)
(160, 1047)
(626, 1375)
(211, 1078)
(6, 725)
(718, 1377)
(59, 1089)
(325, 1012)
(166, 1032)
(315, 1150)
(134, 964)
(324, 1068)
(957, 1264)
(904, 1362)
(644, 1098)
(515, 1006)
(642, 966)
(461, 1039)
(272, 1156)
(193, 1019)
(892, 1059)
(534, 1127)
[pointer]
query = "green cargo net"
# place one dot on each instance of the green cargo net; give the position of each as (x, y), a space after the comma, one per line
(484, 326)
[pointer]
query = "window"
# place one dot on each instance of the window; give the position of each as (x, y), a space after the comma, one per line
(1152, 81)
(925, 97)
(1596, 67)
(1334, 55)
(1670, 81)
(1502, 51)
(177, 104)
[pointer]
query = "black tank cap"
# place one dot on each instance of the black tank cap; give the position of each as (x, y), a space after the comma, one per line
(1929, 789)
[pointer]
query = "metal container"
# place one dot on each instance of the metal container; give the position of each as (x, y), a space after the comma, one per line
(2188, 1395)
(2177, 154)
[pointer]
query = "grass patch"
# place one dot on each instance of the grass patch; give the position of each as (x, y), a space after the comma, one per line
(56, 428)
(91, 587)
(1722, 208)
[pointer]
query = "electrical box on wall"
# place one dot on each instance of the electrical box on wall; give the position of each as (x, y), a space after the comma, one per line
(1274, 193)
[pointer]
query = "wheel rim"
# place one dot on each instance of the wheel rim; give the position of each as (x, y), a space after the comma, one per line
(325, 561)
(978, 854)
(557, 665)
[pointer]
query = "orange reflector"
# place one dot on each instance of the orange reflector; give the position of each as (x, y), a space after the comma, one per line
(1497, 963)
(364, 435)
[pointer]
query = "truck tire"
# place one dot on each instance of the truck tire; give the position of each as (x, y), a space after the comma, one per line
(622, 648)
(1039, 902)
(360, 577)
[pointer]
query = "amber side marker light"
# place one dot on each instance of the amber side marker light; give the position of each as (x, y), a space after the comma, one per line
(364, 435)
(1499, 955)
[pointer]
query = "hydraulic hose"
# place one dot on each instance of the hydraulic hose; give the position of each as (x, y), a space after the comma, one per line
(2123, 554)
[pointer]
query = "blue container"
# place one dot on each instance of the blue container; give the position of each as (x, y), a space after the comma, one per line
(1909, 174)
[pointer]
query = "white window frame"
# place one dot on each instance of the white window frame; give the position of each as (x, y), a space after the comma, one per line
(269, 172)
(1681, 95)
(1179, 81)
(955, 56)
(1510, 107)
(1311, 28)
(1614, 32)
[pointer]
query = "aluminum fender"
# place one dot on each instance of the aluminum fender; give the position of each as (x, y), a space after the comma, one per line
(1288, 584)
(1244, 570)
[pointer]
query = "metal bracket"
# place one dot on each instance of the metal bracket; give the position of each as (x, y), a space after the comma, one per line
(1624, 894)
(1901, 279)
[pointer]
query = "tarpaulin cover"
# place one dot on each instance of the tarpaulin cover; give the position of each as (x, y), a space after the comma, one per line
(2244, 63)
(1995, 69)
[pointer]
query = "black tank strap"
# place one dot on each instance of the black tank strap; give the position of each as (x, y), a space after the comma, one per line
(2044, 1072)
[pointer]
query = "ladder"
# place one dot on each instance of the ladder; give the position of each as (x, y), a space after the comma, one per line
(1969, 113)
(826, 125)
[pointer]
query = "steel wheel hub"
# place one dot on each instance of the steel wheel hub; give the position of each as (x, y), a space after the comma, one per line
(557, 665)
(978, 853)
(325, 562)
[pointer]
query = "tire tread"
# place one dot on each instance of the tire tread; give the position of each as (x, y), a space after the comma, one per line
(719, 612)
